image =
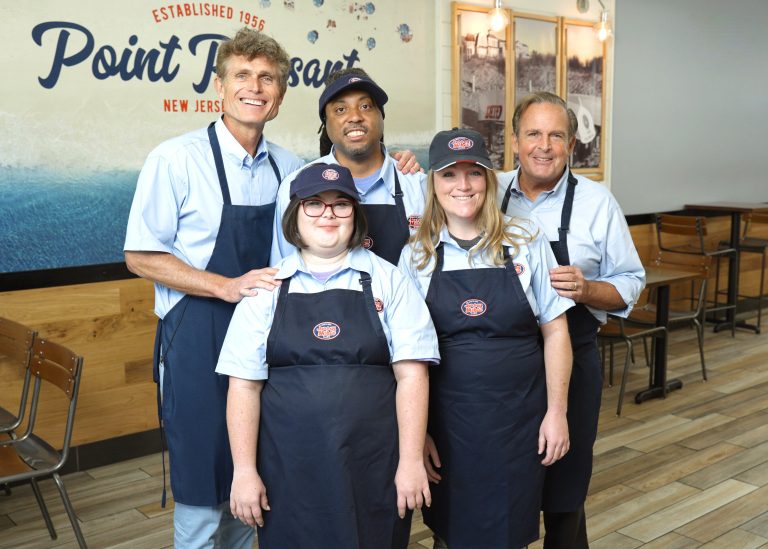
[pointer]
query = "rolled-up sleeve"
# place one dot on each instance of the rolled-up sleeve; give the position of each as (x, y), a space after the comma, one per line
(541, 260)
(621, 266)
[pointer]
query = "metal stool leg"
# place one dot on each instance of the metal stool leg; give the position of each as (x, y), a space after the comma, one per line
(624, 377)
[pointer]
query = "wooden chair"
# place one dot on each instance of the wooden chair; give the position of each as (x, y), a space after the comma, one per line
(755, 245)
(695, 228)
(616, 330)
(686, 310)
(29, 457)
(15, 344)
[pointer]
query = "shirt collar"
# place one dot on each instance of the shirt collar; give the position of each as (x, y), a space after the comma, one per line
(357, 259)
(234, 151)
(386, 173)
(557, 190)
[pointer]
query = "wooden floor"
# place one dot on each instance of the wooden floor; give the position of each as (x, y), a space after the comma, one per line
(688, 471)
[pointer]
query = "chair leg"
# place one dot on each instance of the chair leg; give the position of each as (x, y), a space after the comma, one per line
(610, 366)
(760, 296)
(43, 508)
(624, 377)
(70, 511)
(645, 350)
(7, 489)
(700, 335)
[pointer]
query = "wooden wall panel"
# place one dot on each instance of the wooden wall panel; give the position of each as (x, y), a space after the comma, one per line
(112, 325)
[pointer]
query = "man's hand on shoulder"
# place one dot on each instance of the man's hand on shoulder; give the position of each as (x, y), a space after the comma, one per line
(407, 162)
(246, 285)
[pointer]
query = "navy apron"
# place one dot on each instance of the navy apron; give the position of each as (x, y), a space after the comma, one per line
(328, 436)
(567, 480)
(387, 227)
(189, 339)
(486, 403)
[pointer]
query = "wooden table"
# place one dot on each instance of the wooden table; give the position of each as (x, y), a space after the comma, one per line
(735, 209)
(661, 279)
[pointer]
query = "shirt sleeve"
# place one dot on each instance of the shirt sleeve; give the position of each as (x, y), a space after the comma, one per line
(280, 246)
(243, 354)
(407, 317)
(154, 216)
(620, 265)
(541, 260)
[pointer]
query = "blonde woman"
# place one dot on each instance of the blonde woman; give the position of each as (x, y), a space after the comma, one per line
(497, 413)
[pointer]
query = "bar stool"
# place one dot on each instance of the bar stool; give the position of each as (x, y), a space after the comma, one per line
(755, 245)
(696, 227)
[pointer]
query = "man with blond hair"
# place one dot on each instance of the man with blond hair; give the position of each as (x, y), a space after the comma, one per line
(200, 228)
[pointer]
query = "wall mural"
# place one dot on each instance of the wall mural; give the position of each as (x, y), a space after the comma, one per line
(93, 85)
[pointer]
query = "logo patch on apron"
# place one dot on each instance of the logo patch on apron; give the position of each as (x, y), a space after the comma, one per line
(414, 222)
(379, 304)
(474, 307)
(326, 331)
(367, 242)
(519, 268)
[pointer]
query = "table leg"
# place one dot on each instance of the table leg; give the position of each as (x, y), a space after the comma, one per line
(660, 386)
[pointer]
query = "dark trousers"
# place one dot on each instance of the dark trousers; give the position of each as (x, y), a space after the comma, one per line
(565, 530)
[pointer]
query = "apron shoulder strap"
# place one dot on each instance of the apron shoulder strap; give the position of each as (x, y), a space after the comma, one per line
(275, 169)
(219, 161)
(507, 196)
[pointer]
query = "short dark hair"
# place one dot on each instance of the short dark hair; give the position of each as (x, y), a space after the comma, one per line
(291, 225)
(252, 44)
(544, 97)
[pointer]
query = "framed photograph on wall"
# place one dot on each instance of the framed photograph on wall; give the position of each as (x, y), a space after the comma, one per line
(480, 68)
(537, 55)
(584, 91)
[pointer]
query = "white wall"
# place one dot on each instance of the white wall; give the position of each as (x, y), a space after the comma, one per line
(690, 103)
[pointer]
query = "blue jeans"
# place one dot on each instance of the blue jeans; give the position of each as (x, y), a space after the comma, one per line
(209, 527)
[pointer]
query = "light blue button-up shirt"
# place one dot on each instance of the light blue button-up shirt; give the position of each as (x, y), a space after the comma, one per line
(381, 192)
(599, 242)
(533, 260)
(178, 202)
(405, 318)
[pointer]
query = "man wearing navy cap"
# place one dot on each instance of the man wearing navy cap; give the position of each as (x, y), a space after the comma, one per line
(351, 110)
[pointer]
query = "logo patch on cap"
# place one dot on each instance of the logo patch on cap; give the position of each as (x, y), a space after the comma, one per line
(354, 79)
(414, 222)
(519, 268)
(474, 307)
(367, 242)
(330, 174)
(326, 331)
(379, 304)
(460, 144)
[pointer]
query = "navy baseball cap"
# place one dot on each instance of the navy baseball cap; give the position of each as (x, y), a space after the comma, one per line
(458, 145)
(320, 177)
(353, 82)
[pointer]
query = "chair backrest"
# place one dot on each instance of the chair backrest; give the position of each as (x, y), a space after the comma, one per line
(62, 368)
(700, 264)
(758, 218)
(684, 225)
(15, 345)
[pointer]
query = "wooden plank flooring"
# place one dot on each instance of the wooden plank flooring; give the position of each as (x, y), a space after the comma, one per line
(689, 471)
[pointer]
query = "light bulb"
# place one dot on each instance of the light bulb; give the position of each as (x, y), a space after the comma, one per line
(497, 19)
(603, 28)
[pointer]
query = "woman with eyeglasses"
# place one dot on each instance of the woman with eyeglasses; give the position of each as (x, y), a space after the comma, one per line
(497, 402)
(327, 403)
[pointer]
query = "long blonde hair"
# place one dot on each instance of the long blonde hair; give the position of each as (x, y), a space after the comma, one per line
(496, 232)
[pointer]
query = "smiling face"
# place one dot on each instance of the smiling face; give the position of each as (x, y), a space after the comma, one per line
(460, 190)
(543, 146)
(326, 236)
(251, 94)
(354, 125)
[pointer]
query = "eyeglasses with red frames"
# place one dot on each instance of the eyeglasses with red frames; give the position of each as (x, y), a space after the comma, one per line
(314, 207)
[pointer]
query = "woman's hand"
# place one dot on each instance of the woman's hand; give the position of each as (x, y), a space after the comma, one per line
(431, 460)
(553, 437)
(248, 497)
(412, 487)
